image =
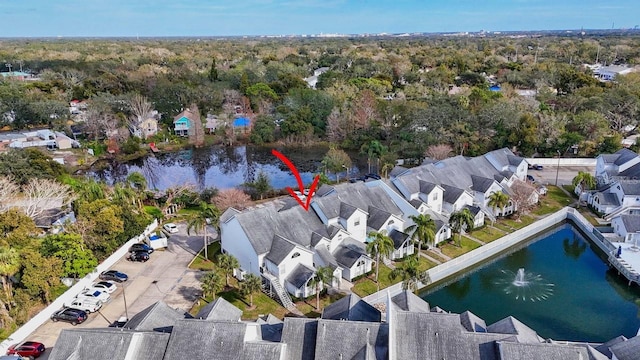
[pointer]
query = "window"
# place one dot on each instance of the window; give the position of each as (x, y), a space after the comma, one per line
(356, 222)
(435, 196)
(360, 263)
(390, 222)
(295, 255)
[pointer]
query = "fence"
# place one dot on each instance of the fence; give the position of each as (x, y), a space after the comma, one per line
(30, 326)
(488, 250)
(563, 161)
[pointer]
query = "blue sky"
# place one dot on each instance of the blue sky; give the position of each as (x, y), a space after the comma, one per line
(29, 18)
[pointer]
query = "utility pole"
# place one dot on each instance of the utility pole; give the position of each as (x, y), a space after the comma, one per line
(8, 65)
(558, 167)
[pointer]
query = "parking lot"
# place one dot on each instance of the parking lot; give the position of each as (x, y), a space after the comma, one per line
(165, 276)
(565, 174)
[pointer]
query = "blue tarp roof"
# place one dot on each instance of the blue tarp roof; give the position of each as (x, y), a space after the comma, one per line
(241, 122)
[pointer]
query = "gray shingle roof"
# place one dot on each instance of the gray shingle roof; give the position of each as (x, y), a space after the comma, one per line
(351, 307)
(323, 190)
(416, 203)
(222, 340)
(280, 248)
(408, 301)
(157, 317)
(631, 173)
(624, 156)
(514, 160)
(627, 350)
(109, 344)
(299, 334)
(481, 184)
(349, 252)
(605, 347)
(630, 188)
(300, 275)
(472, 322)
(398, 238)
(397, 171)
(631, 222)
(516, 351)
(359, 195)
(228, 214)
(377, 217)
(346, 210)
(219, 309)
(426, 187)
(326, 257)
(338, 339)
(473, 209)
(511, 325)
(262, 351)
(608, 198)
(451, 194)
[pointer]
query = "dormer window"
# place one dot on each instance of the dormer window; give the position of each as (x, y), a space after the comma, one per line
(390, 223)
(356, 222)
(295, 255)
(435, 196)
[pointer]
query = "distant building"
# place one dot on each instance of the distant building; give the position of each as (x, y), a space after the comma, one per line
(182, 122)
(17, 75)
(40, 138)
(313, 80)
(609, 73)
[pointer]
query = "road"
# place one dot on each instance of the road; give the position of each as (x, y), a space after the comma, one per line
(565, 174)
(165, 277)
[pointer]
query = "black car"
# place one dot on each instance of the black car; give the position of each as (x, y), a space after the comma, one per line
(372, 176)
(531, 178)
(141, 256)
(113, 275)
(141, 247)
(537, 167)
(70, 315)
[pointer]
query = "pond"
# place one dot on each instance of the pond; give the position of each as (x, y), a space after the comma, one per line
(557, 285)
(219, 166)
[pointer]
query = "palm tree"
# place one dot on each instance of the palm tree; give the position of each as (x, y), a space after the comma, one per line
(211, 283)
(250, 285)
(380, 246)
(137, 181)
(460, 221)
(322, 277)
(207, 214)
(585, 180)
(410, 274)
(424, 229)
(498, 200)
(227, 263)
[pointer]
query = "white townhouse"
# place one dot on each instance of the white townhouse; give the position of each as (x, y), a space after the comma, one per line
(618, 184)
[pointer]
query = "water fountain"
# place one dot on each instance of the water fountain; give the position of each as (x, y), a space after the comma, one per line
(525, 286)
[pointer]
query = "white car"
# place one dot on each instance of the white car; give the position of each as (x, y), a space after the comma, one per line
(94, 294)
(104, 286)
(171, 228)
(86, 304)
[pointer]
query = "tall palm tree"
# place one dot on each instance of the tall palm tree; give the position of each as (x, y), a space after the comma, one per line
(250, 285)
(207, 214)
(380, 245)
(410, 274)
(424, 229)
(460, 221)
(585, 180)
(498, 200)
(227, 263)
(211, 283)
(322, 277)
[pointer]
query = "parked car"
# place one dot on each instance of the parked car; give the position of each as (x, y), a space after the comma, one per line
(141, 256)
(531, 178)
(372, 176)
(30, 349)
(537, 167)
(120, 322)
(141, 247)
(113, 275)
(13, 357)
(171, 228)
(73, 316)
(86, 304)
(104, 286)
(94, 294)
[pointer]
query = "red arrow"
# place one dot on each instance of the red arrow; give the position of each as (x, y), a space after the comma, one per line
(312, 189)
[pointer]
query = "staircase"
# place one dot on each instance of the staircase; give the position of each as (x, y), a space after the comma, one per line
(277, 292)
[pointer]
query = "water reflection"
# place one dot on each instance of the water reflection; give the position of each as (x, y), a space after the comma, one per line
(574, 248)
(217, 166)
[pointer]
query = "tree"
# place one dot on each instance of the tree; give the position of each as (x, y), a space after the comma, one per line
(196, 130)
(234, 198)
(250, 285)
(424, 230)
(261, 185)
(461, 221)
(8, 191)
(211, 284)
(439, 152)
(141, 110)
(77, 259)
(374, 150)
(498, 200)
(379, 245)
(523, 196)
(9, 266)
(320, 279)
(199, 221)
(585, 180)
(228, 263)
(336, 161)
(213, 72)
(43, 194)
(410, 274)
(40, 274)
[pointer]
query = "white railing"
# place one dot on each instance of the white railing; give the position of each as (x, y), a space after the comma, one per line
(40, 318)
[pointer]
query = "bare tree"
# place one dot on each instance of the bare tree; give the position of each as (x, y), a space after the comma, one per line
(196, 130)
(40, 195)
(235, 198)
(523, 196)
(173, 192)
(141, 110)
(8, 191)
(364, 109)
(335, 126)
(439, 152)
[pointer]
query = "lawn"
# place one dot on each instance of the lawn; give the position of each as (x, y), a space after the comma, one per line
(487, 234)
(518, 223)
(308, 306)
(262, 305)
(589, 216)
(423, 264)
(366, 286)
(213, 250)
(436, 256)
(452, 250)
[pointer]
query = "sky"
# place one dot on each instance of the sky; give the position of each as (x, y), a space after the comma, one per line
(144, 18)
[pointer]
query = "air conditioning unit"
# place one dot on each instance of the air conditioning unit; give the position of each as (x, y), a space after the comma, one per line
(239, 274)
